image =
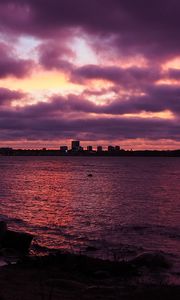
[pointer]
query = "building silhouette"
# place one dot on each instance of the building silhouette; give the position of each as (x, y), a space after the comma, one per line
(75, 145)
(64, 148)
(117, 148)
(111, 148)
(89, 148)
(99, 149)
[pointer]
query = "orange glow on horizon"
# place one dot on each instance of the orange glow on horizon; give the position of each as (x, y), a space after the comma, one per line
(168, 82)
(135, 144)
(160, 115)
(143, 115)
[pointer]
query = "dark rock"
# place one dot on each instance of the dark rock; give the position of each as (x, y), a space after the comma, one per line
(101, 274)
(101, 291)
(65, 284)
(3, 229)
(91, 248)
(16, 240)
(151, 260)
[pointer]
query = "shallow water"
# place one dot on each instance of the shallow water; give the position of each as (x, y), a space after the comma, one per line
(129, 205)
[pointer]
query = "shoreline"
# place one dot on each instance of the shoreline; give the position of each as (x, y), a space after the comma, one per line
(85, 153)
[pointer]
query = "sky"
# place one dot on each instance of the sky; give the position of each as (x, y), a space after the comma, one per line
(100, 71)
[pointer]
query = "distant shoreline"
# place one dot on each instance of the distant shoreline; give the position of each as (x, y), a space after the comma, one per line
(85, 153)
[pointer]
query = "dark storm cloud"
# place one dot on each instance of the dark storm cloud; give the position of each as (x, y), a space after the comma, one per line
(138, 26)
(71, 116)
(173, 74)
(129, 76)
(6, 95)
(54, 55)
(10, 65)
(157, 99)
(15, 126)
(125, 27)
(57, 106)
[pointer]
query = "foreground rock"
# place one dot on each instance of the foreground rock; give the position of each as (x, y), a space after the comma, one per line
(14, 240)
(3, 229)
(151, 261)
(73, 277)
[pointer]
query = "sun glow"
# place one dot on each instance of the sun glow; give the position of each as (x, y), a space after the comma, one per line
(149, 115)
(42, 84)
(143, 115)
(172, 64)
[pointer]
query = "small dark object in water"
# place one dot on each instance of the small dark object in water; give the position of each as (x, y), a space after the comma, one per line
(89, 175)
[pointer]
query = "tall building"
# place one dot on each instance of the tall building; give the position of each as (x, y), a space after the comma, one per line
(111, 148)
(64, 148)
(89, 148)
(117, 148)
(99, 149)
(75, 145)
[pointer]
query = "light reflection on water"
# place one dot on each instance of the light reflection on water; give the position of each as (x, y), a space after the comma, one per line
(127, 201)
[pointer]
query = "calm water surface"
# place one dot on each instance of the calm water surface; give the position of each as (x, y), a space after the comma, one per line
(128, 205)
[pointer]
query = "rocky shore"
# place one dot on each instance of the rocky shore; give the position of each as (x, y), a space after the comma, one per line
(71, 276)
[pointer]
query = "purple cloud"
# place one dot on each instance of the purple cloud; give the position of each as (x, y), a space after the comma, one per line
(156, 99)
(10, 65)
(118, 28)
(6, 96)
(137, 26)
(54, 55)
(16, 127)
(123, 76)
(168, 99)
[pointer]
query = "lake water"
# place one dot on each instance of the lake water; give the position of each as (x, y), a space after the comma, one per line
(129, 205)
